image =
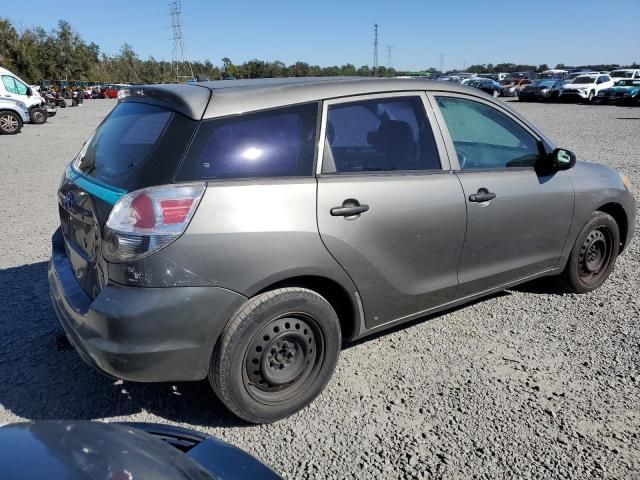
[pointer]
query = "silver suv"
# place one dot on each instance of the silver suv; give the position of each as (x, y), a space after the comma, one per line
(241, 230)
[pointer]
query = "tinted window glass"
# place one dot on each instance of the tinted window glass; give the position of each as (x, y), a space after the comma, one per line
(486, 138)
(274, 143)
(138, 145)
(379, 135)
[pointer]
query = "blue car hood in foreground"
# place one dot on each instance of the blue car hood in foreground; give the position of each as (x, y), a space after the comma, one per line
(92, 450)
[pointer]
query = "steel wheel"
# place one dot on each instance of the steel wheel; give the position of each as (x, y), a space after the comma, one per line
(283, 358)
(9, 123)
(595, 255)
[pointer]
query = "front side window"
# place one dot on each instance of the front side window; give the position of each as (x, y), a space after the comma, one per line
(273, 143)
(9, 84)
(379, 135)
(486, 138)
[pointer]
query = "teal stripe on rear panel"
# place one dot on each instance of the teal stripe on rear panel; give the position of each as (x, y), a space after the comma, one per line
(103, 191)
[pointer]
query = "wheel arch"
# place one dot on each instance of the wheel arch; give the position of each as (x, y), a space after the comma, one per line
(617, 212)
(345, 305)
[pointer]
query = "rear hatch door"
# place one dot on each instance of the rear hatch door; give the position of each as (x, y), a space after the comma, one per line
(138, 145)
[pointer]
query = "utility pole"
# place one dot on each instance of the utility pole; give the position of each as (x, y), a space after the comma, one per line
(375, 49)
(180, 68)
(389, 55)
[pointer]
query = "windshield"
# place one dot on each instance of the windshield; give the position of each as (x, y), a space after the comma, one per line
(621, 74)
(584, 79)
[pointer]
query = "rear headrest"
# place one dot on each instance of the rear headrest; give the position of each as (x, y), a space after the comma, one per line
(391, 135)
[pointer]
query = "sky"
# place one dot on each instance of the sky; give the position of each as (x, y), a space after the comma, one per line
(335, 32)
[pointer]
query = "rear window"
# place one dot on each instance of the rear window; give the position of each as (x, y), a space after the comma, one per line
(138, 145)
(274, 143)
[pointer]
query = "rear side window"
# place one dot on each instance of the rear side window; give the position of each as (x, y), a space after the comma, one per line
(138, 145)
(379, 135)
(273, 143)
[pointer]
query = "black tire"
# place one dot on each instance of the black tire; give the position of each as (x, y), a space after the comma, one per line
(591, 96)
(593, 255)
(38, 116)
(276, 354)
(10, 122)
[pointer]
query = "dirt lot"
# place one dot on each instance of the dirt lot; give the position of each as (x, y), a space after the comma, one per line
(532, 383)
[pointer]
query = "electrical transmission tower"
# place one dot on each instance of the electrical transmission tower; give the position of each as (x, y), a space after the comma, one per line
(375, 49)
(180, 68)
(389, 55)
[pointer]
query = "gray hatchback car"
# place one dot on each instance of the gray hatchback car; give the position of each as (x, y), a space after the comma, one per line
(241, 230)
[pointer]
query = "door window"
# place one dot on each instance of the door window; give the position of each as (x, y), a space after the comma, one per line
(485, 137)
(379, 135)
(13, 85)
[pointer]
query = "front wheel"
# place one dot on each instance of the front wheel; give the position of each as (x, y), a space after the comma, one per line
(496, 93)
(276, 355)
(591, 96)
(38, 116)
(593, 255)
(10, 123)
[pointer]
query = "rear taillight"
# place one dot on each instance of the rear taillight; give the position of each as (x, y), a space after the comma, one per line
(146, 220)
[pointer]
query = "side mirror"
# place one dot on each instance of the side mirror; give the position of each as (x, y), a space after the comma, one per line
(29, 92)
(562, 159)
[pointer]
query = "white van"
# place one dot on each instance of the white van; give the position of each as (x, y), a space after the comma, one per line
(12, 86)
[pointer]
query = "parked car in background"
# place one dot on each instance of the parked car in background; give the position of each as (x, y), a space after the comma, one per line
(625, 73)
(511, 86)
(555, 74)
(584, 87)
(521, 75)
(540, 90)
(573, 75)
(239, 230)
(83, 450)
(624, 91)
(13, 114)
(487, 85)
(494, 76)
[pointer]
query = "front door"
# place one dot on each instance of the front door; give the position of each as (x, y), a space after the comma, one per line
(517, 220)
(389, 211)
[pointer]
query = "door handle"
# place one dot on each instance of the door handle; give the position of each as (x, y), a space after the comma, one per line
(483, 195)
(349, 208)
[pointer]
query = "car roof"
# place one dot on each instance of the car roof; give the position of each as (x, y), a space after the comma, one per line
(232, 97)
(235, 96)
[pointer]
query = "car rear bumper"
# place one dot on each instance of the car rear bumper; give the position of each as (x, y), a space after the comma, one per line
(140, 334)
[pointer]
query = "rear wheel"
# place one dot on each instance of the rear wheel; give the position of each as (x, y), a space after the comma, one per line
(276, 355)
(38, 116)
(593, 255)
(10, 123)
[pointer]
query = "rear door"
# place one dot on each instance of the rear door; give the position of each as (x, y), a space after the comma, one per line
(517, 219)
(389, 209)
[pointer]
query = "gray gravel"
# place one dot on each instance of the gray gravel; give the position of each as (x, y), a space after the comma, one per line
(531, 383)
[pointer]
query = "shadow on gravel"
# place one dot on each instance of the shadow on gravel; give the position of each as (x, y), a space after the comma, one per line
(542, 286)
(42, 377)
(426, 318)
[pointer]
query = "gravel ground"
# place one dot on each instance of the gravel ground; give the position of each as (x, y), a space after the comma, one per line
(531, 383)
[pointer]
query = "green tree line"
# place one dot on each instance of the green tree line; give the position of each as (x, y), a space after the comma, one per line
(61, 54)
